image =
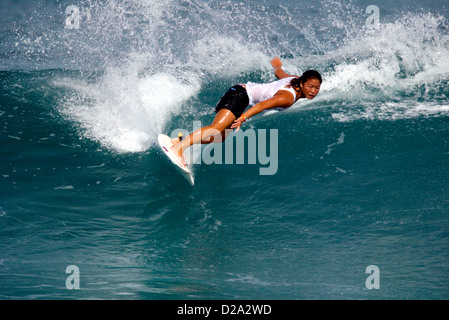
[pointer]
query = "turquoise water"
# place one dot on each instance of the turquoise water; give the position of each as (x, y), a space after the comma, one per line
(362, 170)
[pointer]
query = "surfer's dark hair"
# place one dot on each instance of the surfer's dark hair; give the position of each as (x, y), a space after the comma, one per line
(309, 74)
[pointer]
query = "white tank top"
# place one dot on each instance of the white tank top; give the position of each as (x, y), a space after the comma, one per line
(258, 92)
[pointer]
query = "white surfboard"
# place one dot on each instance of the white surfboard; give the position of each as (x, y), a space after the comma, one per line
(165, 144)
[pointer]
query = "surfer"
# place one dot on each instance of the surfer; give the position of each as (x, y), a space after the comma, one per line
(282, 93)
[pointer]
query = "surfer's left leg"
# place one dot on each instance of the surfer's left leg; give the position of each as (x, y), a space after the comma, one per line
(228, 109)
(218, 138)
(223, 120)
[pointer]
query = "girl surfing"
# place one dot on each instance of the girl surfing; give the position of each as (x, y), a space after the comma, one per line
(230, 110)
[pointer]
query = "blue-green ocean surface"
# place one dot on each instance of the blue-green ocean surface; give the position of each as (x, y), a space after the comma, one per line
(362, 171)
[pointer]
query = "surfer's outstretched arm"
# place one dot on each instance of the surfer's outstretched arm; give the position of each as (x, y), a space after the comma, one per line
(278, 71)
(280, 100)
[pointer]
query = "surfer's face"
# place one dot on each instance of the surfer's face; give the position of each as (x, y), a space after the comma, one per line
(310, 88)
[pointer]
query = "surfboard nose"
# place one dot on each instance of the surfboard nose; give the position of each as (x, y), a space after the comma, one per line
(166, 144)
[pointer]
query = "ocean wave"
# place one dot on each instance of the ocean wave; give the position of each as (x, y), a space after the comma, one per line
(156, 58)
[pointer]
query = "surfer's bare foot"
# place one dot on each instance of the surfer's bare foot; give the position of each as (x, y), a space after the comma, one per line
(175, 140)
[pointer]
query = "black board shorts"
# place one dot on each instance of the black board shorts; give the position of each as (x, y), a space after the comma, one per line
(235, 99)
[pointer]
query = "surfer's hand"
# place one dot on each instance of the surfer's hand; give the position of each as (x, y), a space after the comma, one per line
(237, 124)
(276, 63)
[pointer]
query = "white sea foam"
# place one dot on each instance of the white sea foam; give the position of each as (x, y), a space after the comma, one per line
(174, 52)
(393, 111)
(125, 112)
(64, 187)
(395, 72)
